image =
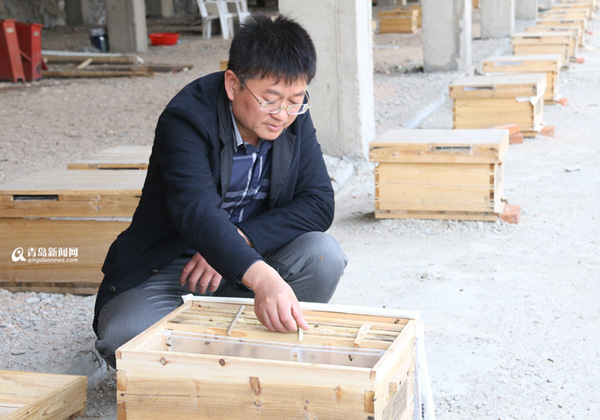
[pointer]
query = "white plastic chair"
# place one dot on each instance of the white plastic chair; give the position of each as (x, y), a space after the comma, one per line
(218, 11)
(241, 6)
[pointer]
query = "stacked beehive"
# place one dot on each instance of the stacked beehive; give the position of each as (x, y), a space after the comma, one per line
(57, 226)
(458, 174)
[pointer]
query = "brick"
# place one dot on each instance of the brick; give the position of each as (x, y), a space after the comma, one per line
(511, 214)
(514, 133)
(548, 131)
(580, 60)
(563, 101)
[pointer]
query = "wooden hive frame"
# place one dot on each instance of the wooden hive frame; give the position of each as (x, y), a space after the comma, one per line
(489, 101)
(549, 64)
(118, 157)
(41, 396)
(439, 174)
(160, 376)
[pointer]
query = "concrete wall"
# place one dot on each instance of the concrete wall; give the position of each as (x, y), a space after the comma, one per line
(497, 18)
(546, 4)
(447, 35)
(127, 32)
(342, 91)
(526, 9)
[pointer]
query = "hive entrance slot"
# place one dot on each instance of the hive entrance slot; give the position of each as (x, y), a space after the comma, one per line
(40, 197)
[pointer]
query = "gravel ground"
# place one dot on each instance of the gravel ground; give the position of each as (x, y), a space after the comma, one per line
(511, 311)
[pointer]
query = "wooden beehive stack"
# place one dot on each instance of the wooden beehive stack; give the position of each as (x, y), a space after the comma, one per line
(63, 221)
(565, 23)
(575, 32)
(398, 21)
(489, 101)
(212, 356)
(531, 43)
(548, 64)
(439, 174)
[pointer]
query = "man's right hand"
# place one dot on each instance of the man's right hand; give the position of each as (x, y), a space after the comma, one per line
(275, 303)
(199, 275)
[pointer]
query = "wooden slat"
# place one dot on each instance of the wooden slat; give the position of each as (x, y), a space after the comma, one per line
(119, 157)
(68, 193)
(91, 239)
(439, 146)
(480, 113)
(41, 396)
(499, 86)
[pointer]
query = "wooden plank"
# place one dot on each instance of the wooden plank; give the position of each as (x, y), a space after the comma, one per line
(499, 86)
(480, 113)
(436, 215)
(77, 57)
(85, 243)
(119, 157)
(37, 396)
(68, 193)
(439, 146)
(398, 24)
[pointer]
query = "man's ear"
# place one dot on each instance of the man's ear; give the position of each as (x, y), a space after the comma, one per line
(231, 84)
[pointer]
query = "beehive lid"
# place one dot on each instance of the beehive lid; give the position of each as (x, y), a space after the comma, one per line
(517, 85)
(119, 157)
(440, 146)
(72, 193)
(543, 38)
(530, 63)
(30, 395)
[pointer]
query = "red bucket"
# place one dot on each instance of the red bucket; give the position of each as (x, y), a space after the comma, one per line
(164, 38)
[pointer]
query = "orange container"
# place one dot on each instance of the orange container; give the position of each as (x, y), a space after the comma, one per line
(11, 67)
(30, 43)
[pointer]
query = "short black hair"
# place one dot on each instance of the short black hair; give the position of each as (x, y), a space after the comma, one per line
(278, 47)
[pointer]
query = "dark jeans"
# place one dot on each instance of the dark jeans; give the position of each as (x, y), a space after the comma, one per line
(312, 264)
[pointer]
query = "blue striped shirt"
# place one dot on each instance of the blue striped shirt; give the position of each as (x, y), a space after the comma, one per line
(250, 177)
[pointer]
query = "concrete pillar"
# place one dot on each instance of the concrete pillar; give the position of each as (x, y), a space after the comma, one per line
(526, 9)
(78, 12)
(159, 8)
(391, 2)
(342, 96)
(126, 21)
(497, 18)
(447, 35)
(547, 4)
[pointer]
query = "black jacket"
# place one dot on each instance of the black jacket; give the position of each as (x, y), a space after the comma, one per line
(188, 177)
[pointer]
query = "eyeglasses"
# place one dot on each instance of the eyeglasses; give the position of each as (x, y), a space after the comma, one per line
(271, 107)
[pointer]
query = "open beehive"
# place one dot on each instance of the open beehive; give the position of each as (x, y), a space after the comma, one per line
(350, 364)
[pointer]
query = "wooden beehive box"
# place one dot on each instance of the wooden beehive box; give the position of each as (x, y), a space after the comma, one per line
(535, 43)
(576, 33)
(439, 174)
(28, 396)
(119, 157)
(567, 14)
(398, 21)
(489, 101)
(56, 227)
(350, 364)
(587, 8)
(549, 64)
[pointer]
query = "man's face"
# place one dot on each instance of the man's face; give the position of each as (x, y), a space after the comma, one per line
(253, 123)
